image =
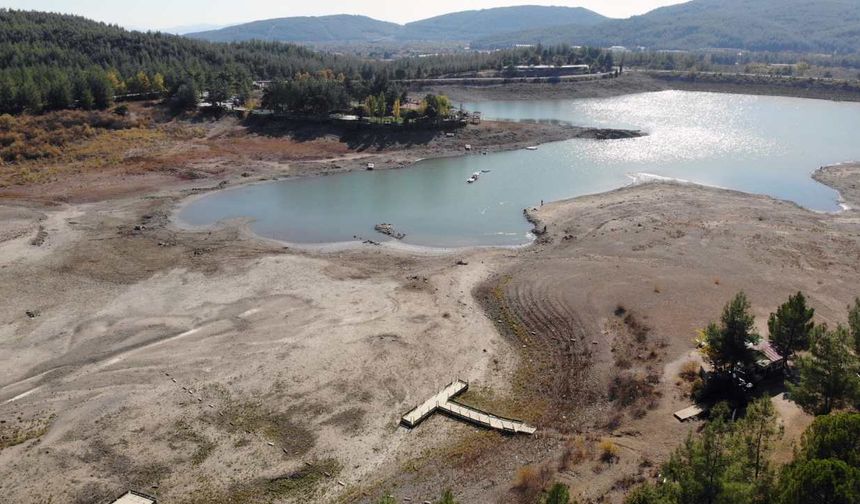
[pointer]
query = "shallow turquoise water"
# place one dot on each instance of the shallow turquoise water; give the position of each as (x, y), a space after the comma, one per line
(766, 145)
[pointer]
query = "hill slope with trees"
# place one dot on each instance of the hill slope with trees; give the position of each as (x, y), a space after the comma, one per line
(338, 28)
(469, 25)
(55, 62)
(458, 26)
(758, 25)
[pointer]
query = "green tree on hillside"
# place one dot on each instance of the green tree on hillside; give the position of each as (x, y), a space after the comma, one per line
(824, 481)
(827, 465)
(218, 91)
(436, 106)
(828, 376)
(835, 436)
(101, 90)
(185, 98)
(727, 463)
(757, 432)
(60, 93)
(728, 344)
(791, 325)
(695, 472)
(854, 324)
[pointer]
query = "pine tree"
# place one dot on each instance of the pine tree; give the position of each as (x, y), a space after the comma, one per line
(756, 434)
(854, 324)
(728, 344)
(791, 325)
(828, 376)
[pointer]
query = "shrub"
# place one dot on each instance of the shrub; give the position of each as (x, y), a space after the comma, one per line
(608, 451)
(447, 498)
(558, 494)
(689, 371)
(531, 481)
(628, 388)
(576, 451)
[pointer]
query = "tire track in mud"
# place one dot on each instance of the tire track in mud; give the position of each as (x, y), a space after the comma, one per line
(556, 347)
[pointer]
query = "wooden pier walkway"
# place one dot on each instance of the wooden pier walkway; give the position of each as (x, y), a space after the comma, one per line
(443, 402)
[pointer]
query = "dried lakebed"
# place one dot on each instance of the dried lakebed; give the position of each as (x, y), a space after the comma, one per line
(756, 144)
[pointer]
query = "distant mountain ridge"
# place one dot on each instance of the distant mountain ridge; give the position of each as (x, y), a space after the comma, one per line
(825, 26)
(459, 26)
(474, 24)
(338, 28)
(759, 25)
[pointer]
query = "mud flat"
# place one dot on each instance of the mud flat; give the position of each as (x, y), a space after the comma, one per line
(604, 311)
(209, 366)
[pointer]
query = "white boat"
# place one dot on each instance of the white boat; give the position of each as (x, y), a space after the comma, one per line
(531, 148)
(473, 178)
(371, 166)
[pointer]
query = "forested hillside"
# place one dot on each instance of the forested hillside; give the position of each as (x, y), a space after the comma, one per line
(470, 25)
(51, 61)
(54, 62)
(340, 28)
(758, 25)
(458, 26)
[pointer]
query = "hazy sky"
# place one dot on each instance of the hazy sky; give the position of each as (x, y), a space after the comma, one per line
(161, 14)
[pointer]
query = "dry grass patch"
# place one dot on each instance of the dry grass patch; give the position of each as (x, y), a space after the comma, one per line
(609, 451)
(576, 451)
(531, 481)
(37, 149)
(277, 427)
(23, 431)
(689, 371)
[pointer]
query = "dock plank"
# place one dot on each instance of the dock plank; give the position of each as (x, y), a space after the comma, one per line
(688, 413)
(442, 401)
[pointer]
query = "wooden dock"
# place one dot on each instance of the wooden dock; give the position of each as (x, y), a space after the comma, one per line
(443, 402)
(428, 407)
(688, 413)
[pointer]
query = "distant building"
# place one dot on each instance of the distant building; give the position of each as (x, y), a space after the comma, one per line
(132, 497)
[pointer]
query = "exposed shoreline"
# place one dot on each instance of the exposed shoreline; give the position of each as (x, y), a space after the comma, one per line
(330, 347)
(633, 82)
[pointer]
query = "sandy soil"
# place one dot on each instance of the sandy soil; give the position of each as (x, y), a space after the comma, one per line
(670, 255)
(163, 359)
(210, 366)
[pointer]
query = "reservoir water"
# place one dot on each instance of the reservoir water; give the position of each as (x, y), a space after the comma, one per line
(757, 144)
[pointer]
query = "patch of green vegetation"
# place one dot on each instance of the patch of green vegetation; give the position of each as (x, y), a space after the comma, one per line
(13, 435)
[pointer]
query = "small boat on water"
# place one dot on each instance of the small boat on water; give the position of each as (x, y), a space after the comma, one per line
(473, 178)
(531, 148)
(371, 166)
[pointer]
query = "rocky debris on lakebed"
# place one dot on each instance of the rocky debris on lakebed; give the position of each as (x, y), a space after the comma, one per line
(388, 229)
